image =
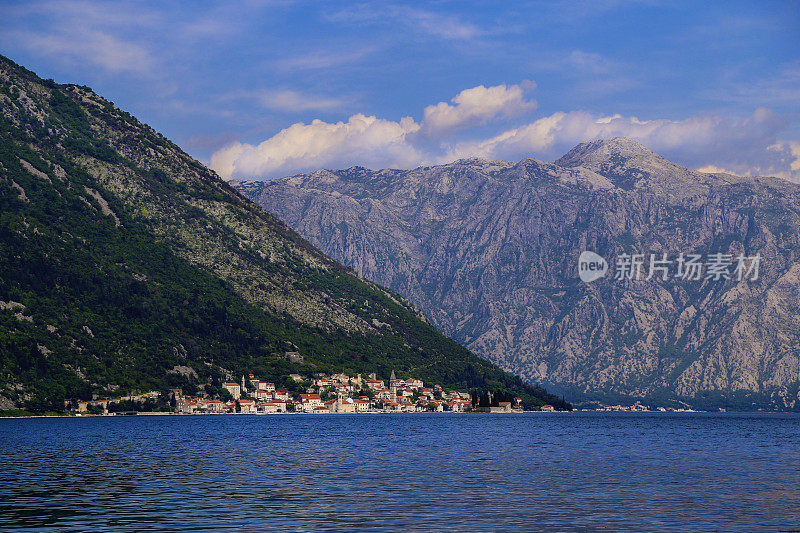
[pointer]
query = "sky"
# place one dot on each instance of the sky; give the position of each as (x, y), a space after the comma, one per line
(266, 89)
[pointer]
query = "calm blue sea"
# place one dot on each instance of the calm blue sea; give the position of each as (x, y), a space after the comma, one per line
(405, 472)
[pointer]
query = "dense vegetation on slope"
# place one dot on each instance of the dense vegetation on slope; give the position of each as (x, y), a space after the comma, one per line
(126, 266)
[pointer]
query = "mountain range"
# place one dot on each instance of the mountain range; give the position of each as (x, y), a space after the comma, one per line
(489, 251)
(129, 266)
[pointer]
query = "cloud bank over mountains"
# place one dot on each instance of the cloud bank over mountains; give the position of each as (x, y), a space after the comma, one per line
(460, 128)
(273, 88)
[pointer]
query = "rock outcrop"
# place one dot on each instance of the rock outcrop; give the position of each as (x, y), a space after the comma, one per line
(488, 250)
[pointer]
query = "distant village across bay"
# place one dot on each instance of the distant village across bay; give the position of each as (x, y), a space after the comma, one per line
(324, 394)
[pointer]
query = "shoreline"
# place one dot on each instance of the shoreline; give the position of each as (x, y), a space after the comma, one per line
(114, 415)
(370, 413)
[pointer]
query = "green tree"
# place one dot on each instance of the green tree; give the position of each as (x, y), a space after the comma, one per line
(224, 394)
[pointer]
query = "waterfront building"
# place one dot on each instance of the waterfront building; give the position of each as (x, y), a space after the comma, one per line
(234, 388)
(272, 407)
(361, 405)
(214, 406)
(309, 402)
(247, 406)
(185, 406)
(345, 405)
(281, 394)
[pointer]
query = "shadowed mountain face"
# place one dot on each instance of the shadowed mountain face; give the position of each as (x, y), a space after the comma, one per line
(127, 265)
(489, 250)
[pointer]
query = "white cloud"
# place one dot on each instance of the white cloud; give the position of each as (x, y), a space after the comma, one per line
(444, 26)
(103, 49)
(589, 73)
(794, 149)
(366, 140)
(85, 12)
(577, 61)
(321, 59)
(590, 61)
(477, 106)
(286, 100)
(712, 169)
(740, 145)
(106, 36)
(362, 140)
(749, 145)
(118, 37)
(780, 89)
(788, 154)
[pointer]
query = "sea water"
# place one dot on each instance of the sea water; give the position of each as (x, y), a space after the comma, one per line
(402, 472)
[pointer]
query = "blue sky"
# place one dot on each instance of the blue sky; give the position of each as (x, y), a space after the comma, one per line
(266, 89)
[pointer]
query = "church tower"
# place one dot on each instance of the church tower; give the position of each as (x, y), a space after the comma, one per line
(393, 386)
(244, 389)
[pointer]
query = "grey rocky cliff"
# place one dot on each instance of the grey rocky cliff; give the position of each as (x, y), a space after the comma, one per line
(488, 250)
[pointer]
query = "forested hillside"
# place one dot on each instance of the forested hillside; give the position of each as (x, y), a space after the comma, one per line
(126, 265)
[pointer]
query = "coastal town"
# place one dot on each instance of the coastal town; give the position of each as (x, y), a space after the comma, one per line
(638, 407)
(324, 394)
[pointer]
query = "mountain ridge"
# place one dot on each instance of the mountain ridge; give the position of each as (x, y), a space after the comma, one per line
(124, 259)
(490, 256)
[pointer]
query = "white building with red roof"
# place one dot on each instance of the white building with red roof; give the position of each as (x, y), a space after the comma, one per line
(374, 384)
(247, 407)
(262, 395)
(281, 394)
(272, 407)
(384, 394)
(214, 406)
(391, 406)
(234, 388)
(309, 402)
(361, 406)
(185, 405)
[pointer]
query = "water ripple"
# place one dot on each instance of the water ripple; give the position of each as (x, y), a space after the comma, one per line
(425, 472)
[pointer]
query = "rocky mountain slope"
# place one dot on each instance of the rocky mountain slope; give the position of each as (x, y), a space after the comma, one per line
(489, 251)
(126, 265)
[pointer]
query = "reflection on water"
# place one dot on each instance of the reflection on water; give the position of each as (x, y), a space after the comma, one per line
(427, 472)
